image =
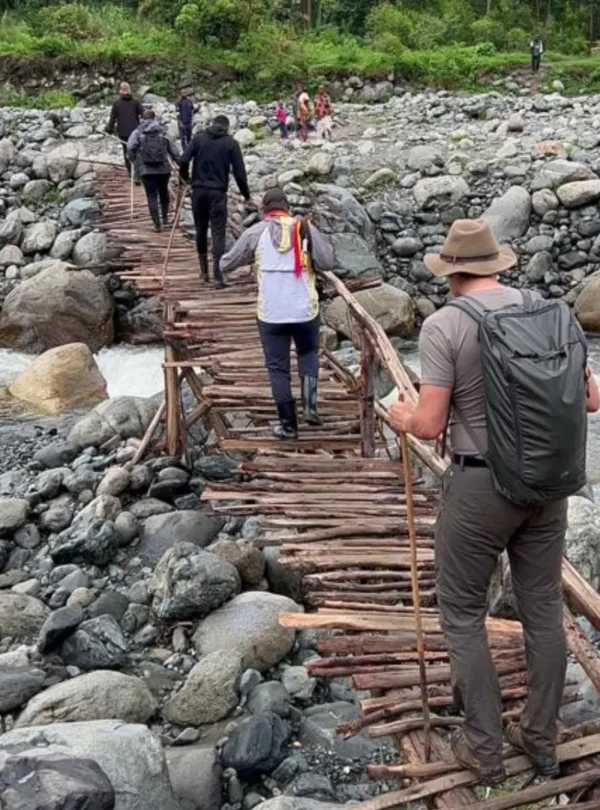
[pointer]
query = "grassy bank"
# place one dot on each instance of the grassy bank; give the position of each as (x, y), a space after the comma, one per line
(264, 62)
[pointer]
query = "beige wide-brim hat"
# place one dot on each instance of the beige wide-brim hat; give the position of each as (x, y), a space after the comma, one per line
(472, 248)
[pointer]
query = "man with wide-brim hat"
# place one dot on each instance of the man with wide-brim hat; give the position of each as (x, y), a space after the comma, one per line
(476, 523)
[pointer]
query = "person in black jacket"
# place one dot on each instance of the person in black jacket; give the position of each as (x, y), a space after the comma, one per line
(213, 152)
(149, 149)
(126, 113)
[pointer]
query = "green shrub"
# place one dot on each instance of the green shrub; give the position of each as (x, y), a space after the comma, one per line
(488, 29)
(72, 20)
(203, 20)
(386, 24)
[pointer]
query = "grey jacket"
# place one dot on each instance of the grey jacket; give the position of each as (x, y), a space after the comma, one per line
(244, 251)
(134, 148)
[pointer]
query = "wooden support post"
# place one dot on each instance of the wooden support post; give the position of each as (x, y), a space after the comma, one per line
(171, 393)
(585, 653)
(367, 398)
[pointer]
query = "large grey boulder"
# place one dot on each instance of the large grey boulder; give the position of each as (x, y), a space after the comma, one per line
(62, 162)
(579, 193)
(39, 237)
(392, 308)
(21, 616)
(350, 216)
(353, 256)
(91, 249)
(97, 644)
(255, 747)
(249, 625)
(196, 774)
(297, 803)
(161, 532)
(558, 172)
(210, 691)
(57, 307)
(11, 229)
(421, 158)
(583, 538)
(130, 755)
(587, 305)
(189, 582)
(127, 417)
(446, 189)
(17, 685)
(8, 153)
(81, 211)
(508, 215)
(11, 254)
(94, 696)
(13, 514)
(41, 781)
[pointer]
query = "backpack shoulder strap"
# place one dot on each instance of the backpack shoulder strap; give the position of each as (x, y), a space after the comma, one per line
(528, 298)
(470, 306)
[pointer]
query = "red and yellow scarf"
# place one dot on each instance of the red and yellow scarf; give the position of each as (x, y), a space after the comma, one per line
(299, 255)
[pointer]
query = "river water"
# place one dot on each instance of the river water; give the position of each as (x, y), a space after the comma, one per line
(137, 371)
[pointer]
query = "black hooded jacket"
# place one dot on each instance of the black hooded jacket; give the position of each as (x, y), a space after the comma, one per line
(126, 113)
(214, 152)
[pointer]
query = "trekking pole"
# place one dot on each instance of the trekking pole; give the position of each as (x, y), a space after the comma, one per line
(172, 234)
(416, 594)
(131, 192)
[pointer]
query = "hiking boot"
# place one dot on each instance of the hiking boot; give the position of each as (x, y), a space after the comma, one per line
(156, 228)
(489, 775)
(204, 268)
(309, 387)
(288, 421)
(165, 217)
(543, 764)
(219, 280)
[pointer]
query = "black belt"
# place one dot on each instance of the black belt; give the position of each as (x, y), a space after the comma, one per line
(468, 461)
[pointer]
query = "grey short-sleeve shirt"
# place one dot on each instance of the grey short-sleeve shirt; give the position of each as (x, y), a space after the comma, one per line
(450, 357)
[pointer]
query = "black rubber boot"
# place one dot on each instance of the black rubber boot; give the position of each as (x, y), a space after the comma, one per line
(204, 268)
(219, 280)
(288, 421)
(165, 216)
(309, 388)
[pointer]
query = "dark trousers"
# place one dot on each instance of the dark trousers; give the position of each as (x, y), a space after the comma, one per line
(276, 339)
(210, 207)
(185, 135)
(475, 525)
(284, 131)
(535, 62)
(156, 187)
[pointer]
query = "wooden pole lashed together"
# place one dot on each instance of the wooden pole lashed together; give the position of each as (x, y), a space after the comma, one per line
(410, 520)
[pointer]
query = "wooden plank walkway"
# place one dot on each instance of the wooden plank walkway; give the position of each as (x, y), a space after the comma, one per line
(338, 517)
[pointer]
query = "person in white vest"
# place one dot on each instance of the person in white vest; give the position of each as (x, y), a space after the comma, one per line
(285, 252)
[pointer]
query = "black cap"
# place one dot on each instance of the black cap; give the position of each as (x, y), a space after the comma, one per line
(275, 198)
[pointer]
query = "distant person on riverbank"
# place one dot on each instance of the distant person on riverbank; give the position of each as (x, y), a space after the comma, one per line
(508, 372)
(536, 49)
(303, 115)
(185, 118)
(323, 113)
(125, 115)
(285, 251)
(149, 148)
(213, 154)
(281, 116)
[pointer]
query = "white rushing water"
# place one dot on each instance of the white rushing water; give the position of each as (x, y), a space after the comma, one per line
(128, 370)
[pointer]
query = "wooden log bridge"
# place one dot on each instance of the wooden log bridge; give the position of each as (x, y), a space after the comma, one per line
(336, 505)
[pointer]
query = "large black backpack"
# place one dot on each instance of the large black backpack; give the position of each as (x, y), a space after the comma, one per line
(154, 148)
(533, 358)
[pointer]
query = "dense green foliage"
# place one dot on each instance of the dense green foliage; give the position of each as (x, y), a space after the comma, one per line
(269, 43)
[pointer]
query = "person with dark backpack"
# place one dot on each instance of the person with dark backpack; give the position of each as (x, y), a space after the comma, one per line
(149, 148)
(508, 372)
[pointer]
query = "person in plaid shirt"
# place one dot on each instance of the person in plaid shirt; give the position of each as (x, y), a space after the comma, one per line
(323, 112)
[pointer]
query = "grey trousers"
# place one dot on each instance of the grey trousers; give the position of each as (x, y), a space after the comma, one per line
(475, 525)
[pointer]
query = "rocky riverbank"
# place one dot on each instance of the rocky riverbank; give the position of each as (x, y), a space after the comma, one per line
(386, 191)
